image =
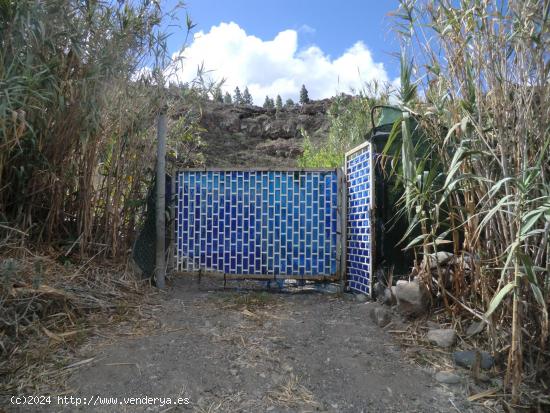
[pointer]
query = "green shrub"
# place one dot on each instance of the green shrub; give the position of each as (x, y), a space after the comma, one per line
(349, 118)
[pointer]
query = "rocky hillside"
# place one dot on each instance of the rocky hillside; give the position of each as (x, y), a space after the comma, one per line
(250, 136)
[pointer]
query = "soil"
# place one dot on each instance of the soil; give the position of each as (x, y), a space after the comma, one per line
(238, 350)
(238, 150)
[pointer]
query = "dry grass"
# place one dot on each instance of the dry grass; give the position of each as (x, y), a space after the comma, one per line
(48, 309)
(248, 301)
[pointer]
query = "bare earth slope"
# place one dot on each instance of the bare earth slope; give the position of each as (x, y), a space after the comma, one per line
(250, 136)
(230, 352)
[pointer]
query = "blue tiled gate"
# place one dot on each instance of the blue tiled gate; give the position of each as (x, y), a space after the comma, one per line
(360, 200)
(257, 222)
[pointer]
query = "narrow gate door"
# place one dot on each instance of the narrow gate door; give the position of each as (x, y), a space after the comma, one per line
(360, 201)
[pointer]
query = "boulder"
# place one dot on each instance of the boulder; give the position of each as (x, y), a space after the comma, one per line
(286, 148)
(251, 127)
(467, 359)
(276, 129)
(305, 120)
(234, 135)
(443, 337)
(412, 297)
(440, 258)
(381, 316)
(469, 261)
(314, 107)
(231, 123)
(360, 298)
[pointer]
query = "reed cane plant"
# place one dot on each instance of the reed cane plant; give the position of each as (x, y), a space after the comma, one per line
(81, 83)
(479, 181)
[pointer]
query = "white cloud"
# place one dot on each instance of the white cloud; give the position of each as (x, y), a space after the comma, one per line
(306, 28)
(277, 66)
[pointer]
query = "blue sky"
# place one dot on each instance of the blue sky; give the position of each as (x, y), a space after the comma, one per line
(274, 46)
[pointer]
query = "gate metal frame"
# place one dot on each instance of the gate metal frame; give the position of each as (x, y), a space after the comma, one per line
(341, 223)
(365, 146)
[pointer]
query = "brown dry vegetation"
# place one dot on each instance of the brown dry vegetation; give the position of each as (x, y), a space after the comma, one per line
(475, 172)
(77, 119)
(47, 309)
(76, 160)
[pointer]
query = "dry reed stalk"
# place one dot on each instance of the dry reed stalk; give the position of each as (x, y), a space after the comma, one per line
(485, 135)
(76, 119)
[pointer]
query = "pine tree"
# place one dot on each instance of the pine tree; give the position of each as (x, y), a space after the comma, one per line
(268, 103)
(289, 103)
(238, 97)
(227, 98)
(304, 98)
(278, 103)
(247, 97)
(217, 95)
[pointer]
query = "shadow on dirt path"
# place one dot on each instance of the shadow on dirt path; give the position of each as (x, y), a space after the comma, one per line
(229, 351)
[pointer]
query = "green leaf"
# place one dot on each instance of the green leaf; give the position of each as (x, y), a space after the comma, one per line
(528, 267)
(496, 187)
(505, 200)
(531, 234)
(538, 296)
(450, 132)
(511, 254)
(529, 220)
(497, 299)
(416, 241)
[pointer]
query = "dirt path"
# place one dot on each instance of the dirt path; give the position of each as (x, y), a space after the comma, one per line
(228, 352)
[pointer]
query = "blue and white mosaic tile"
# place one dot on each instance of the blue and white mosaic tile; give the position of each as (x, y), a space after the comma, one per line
(257, 222)
(358, 261)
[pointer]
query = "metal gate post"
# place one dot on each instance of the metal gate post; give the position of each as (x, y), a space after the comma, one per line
(339, 224)
(342, 232)
(160, 261)
(372, 217)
